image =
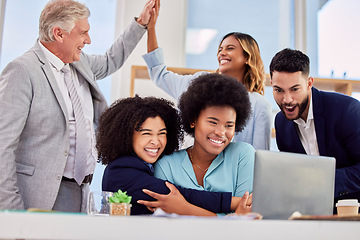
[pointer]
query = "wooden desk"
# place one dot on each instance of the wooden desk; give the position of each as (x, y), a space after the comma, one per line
(23, 225)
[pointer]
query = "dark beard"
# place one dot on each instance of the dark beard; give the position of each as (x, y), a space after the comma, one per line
(302, 107)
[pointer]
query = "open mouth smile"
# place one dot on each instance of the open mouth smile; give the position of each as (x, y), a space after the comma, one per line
(290, 108)
(152, 151)
(217, 142)
(224, 61)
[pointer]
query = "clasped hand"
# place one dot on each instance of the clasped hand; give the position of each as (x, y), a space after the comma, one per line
(149, 12)
(174, 202)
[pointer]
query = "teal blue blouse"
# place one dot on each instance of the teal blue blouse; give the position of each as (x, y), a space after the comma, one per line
(231, 171)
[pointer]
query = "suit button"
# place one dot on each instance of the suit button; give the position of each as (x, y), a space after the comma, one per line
(58, 177)
(66, 153)
(344, 193)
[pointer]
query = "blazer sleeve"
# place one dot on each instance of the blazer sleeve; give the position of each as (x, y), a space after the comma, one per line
(15, 102)
(262, 125)
(133, 181)
(104, 65)
(348, 178)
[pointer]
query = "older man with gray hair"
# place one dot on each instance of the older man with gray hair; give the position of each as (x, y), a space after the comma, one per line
(50, 104)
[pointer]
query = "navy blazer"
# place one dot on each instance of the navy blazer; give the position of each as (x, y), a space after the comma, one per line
(337, 126)
(131, 174)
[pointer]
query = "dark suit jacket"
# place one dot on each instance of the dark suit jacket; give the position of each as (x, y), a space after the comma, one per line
(337, 126)
(131, 174)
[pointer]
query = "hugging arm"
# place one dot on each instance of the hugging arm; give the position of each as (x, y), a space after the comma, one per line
(212, 201)
(174, 203)
(134, 179)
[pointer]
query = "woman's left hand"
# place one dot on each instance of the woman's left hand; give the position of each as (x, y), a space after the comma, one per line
(245, 204)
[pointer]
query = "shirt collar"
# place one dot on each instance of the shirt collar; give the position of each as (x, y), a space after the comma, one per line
(151, 167)
(54, 60)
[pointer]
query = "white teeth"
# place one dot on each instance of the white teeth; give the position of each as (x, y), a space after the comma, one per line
(216, 141)
(152, 150)
(223, 61)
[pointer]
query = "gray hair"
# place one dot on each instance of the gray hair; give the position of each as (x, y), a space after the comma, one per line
(60, 13)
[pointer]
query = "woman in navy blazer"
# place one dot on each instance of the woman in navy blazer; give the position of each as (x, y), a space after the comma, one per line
(133, 133)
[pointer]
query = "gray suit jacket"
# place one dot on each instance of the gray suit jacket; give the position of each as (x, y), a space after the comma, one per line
(34, 127)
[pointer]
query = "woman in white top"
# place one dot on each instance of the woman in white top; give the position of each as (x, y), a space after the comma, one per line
(238, 57)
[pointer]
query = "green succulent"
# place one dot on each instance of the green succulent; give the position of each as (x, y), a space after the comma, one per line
(120, 197)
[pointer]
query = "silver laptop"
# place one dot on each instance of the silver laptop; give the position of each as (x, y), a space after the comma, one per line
(288, 182)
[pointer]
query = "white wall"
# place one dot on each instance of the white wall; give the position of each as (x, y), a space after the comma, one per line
(171, 28)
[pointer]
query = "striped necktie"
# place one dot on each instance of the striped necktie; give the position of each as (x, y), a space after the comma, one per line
(80, 126)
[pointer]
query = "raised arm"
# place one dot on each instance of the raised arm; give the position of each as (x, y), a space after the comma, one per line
(106, 64)
(172, 83)
(152, 43)
(147, 12)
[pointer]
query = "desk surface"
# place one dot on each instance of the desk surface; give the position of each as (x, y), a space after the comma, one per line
(20, 225)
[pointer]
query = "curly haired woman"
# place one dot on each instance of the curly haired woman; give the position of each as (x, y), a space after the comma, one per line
(132, 134)
(211, 115)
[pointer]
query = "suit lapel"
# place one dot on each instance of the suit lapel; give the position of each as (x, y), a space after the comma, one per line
(319, 120)
(94, 88)
(298, 145)
(50, 78)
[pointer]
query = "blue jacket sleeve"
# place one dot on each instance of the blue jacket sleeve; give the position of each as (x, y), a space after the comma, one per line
(347, 176)
(134, 180)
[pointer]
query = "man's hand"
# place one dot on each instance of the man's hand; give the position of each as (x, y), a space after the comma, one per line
(147, 12)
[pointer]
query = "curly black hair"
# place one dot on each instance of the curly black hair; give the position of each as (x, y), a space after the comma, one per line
(118, 123)
(214, 90)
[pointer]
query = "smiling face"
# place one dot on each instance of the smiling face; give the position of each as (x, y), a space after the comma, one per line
(73, 42)
(292, 92)
(214, 129)
(149, 140)
(232, 61)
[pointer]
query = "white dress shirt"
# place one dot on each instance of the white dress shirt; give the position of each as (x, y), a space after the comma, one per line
(83, 90)
(307, 132)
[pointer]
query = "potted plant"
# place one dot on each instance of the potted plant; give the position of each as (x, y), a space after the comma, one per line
(120, 203)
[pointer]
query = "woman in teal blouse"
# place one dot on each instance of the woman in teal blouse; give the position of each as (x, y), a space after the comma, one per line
(213, 108)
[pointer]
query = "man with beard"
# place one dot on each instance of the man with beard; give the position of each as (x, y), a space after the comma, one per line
(315, 122)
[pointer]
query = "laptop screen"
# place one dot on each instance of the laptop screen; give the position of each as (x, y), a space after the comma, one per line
(288, 182)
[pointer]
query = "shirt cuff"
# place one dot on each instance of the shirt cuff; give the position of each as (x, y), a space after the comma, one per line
(226, 202)
(144, 27)
(154, 58)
